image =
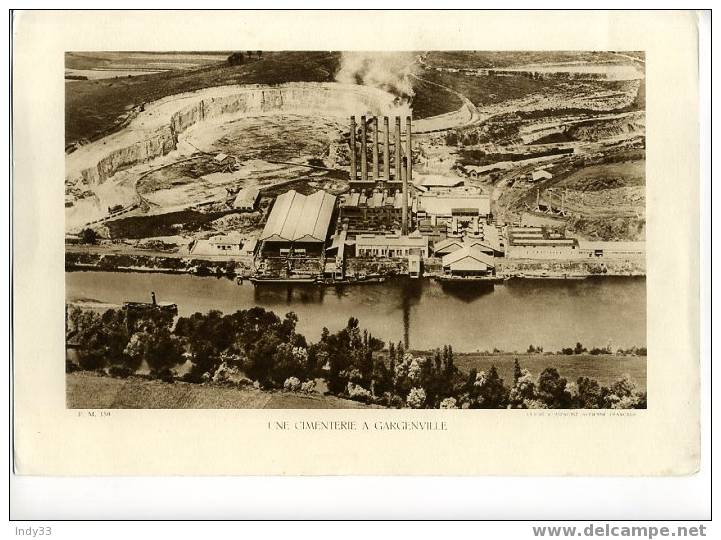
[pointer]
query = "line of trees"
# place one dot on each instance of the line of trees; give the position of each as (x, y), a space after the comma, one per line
(255, 346)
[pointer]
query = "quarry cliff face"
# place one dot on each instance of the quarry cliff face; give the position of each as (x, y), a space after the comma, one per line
(156, 130)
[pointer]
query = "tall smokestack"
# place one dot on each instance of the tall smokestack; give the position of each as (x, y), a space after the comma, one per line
(409, 152)
(374, 127)
(364, 154)
(386, 150)
(399, 166)
(404, 217)
(353, 165)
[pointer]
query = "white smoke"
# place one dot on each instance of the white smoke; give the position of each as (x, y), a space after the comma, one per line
(389, 71)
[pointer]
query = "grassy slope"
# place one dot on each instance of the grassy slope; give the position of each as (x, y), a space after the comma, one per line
(96, 108)
(489, 90)
(501, 59)
(89, 391)
(604, 368)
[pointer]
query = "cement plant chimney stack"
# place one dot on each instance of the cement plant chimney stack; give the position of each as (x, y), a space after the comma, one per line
(386, 150)
(353, 165)
(374, 127)
(404, 217)
(409, 152)
(364, 151)
(399, 165)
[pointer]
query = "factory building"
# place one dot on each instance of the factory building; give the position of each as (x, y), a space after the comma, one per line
(355, 210)
(436, 182)
(371, 210)
(468, 262)
(540, 243)
(453, 244)
(246, 199)
(391, 245)
(611, 250)
(298, 225)
(454, 212)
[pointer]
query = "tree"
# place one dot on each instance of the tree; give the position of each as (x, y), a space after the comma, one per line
(492, 394)
(517, 372)
(236, 59)
(416, 398)
(622, 394)
(161, 350)
(89, 236)
(579, 349)
(588, 394)
(551, 389)
(523, 393)
(100, 339)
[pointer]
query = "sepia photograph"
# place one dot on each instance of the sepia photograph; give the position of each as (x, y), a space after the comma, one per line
(456, 229)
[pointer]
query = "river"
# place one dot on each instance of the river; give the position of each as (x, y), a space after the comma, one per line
(510, 317)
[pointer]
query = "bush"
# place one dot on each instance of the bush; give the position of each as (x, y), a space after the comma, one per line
(308, 387)
(357, 392)
(416, 398)
(122, 372)
(448, 403)
(291, 384)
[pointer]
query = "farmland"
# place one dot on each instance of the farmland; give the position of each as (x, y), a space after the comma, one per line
(603, 368)
(90, 391)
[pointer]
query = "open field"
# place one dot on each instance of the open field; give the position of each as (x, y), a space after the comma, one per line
(502, 59)
(604, 368)
(90, 391)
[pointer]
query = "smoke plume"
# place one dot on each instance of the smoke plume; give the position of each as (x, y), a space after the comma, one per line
(389, 71)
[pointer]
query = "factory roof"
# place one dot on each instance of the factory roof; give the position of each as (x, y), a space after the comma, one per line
(467, 241)
(246, 197)
(436, 180)
(468, 252)
(538, 236)
(375, 199)
(541, 174)
(230, 238)
(299, 218)
(415, 239)
(444, 204)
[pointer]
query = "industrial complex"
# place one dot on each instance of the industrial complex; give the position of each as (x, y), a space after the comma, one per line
(401, 222)
(335, 183)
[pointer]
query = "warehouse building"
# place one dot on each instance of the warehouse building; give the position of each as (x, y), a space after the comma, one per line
(246, 199)
(391, 245)
(611, 250)
(298, 225)
(468, 262)
(452, 244)
(462, 203)
(540, 243)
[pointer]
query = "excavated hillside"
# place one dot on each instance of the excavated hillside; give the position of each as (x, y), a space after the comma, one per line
(155, 132)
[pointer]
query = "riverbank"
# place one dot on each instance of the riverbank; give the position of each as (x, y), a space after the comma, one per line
(157, 263)
(388, 268)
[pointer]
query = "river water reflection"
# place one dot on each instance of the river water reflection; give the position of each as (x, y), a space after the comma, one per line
(553, 314)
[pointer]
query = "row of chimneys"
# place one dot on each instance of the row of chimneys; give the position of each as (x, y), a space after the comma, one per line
(403, 163)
